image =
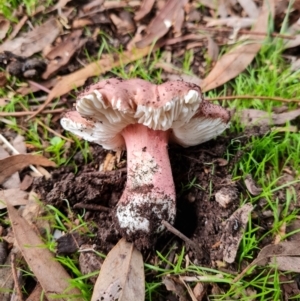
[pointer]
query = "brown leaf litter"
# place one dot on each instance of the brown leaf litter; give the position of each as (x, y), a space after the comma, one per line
(78, 78)
(172, 15)
(235, 61)
(122, 275)
(33, 41)
(37, 257)
(63, 52)
(15, 163)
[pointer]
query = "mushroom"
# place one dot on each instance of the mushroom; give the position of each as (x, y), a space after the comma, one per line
(144, 117)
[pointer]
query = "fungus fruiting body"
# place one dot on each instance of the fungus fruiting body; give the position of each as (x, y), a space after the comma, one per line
(144, 117)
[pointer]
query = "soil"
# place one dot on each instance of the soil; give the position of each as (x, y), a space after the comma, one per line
(199, 216)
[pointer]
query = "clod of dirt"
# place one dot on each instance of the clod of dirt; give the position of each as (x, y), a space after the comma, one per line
(22, 66)
(225, 196)
(69, 243)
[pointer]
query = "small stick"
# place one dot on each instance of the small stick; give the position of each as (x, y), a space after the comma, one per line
(244, 31)
(233, 97)
(52, 131)
(180, 235)
(18, 27)
(91, 207)
(20, 114)
(15, 152)
(15, 276)
(38, 85)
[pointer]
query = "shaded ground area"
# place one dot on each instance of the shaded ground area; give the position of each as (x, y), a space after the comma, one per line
(199, 172)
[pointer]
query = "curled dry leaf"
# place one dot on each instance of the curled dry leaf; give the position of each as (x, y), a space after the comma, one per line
(235, 61)
(4, 27)
(78, 78)
(177, 287)
(144, 9)
(172, 14)
(12, 164)
(233, 232)
(294, 31)
(122, 275)
(61, 54)
(250, 8)
(52, 277)
(123, 22)
(285, 255)
(251, 186)
(33, 41)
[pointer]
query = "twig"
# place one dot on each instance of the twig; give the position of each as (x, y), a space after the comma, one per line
(233, 97)
(92, 207)
(244, 31)
(15, 152)
(52, 131)
(15, 276)
(180, 235)
(18, 27)
(20, 114)
(38, 85)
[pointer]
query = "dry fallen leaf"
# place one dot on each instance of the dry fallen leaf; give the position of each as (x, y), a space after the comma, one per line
(33, 41)
(12, 164)
(144, 9)
(36, 294)
(6, 276)
(235, 61)
(122, 275)
(123, 22)
(172, 14)
(174, 285)
(252, 186)
(285, 256)
(262, 118)
(49, 273)
(250, 8)
(293, 31)
(4, 27)
(15, 196)
(212, 49)
(13, 181)
(62, 53)
(78, 78)
(233, 232)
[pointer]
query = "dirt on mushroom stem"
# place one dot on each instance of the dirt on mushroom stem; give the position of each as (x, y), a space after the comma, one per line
(149, 196)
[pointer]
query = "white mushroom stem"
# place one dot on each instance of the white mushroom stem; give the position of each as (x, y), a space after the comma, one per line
(149, 195)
